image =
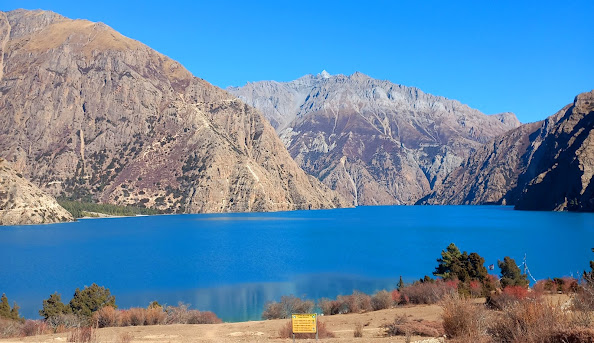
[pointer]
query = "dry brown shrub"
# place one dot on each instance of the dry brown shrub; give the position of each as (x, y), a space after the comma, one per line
(427, 292)
(287, 306)
(203, 317)
(401, 326)
(381, 300)
(10, 328)
(106, 316)
(358, 332)
(137, 316)
(125, 337)
(529, 321)
(465, 320)
(287, 332)
(34, 328)
(82, 335)
(124, 318)
(332, 307)
(155, 316)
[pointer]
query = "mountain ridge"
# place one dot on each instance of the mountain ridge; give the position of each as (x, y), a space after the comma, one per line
(546, 165)
(90, 114)
(374, 141)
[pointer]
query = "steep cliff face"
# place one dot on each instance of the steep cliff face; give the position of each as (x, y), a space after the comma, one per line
(373, 141)
(90, 114)
(563, 162)
(21, 202)
(546, 165)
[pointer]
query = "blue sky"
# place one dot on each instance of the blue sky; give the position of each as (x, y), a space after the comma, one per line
(527, 57)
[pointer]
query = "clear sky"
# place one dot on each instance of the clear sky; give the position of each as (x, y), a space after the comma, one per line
(527, 57)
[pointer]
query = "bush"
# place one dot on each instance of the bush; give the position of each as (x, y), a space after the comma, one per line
(287, 306)
(511, 274)
(287, 332)
(331, 307)
(464, 320)
(106, 317)
(82, 335)
(401, 326)
(53, 307)
(428, 292)
(33, 328)
(355, 303)
(529, 321)
(182, 315)
(358, 332)
(381, 300)
(136, 316)
(155, 316)
(10, 328)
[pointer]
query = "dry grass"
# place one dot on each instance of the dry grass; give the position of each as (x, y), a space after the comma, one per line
(82, 335)
(358, 332)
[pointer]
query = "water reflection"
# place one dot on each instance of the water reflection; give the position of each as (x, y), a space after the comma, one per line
(246, 301)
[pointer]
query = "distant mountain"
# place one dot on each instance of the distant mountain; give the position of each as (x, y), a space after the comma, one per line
(373, 141)
(21, 202)
(89, 114)
(546, 165)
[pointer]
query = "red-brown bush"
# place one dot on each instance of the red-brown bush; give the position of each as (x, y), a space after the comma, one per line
(428, 292)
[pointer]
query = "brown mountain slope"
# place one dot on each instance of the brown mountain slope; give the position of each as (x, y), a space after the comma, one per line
(546, 165)
(90, 114)
(373, 141)
(21, 202)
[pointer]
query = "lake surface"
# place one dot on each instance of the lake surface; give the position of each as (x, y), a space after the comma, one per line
(233, 264)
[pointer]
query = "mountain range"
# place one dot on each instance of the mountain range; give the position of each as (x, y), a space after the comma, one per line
(375, 142)
(88, 114)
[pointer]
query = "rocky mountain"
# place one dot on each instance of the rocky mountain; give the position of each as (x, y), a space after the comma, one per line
(373, 141)
(21, 202)
(87, 113)
(546, 165)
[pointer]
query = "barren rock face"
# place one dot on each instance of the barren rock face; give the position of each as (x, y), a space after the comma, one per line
(546, 165)
(373, 141)
(90, 114)
(21, 202)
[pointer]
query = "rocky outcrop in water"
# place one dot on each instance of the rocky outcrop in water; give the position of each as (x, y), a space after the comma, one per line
(21, 202)
(546, 165)
(87, 113)
(373, 141)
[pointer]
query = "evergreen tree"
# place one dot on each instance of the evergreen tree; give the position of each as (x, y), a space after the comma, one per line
(400, 285)
(91, 299)
(4, 307)
(53, 307)
(449, 263)
(511, 274)
(14, 313)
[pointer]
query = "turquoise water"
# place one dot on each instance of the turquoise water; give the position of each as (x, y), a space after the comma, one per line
(233, 263)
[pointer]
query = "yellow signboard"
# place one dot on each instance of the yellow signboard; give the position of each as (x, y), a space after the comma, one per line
(305, 323)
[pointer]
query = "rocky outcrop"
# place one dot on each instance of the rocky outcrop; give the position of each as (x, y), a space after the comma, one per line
(373, 141)
(87, 113)
(546, 165)
(21, 202)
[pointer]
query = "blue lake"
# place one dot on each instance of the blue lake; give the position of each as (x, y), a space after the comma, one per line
(233, 264)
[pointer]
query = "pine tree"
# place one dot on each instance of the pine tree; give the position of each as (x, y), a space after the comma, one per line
(511, 274)
(400, 285)
(14, 313)
(91, 299)
(4, 307)
(449, 263)
(53, 307)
